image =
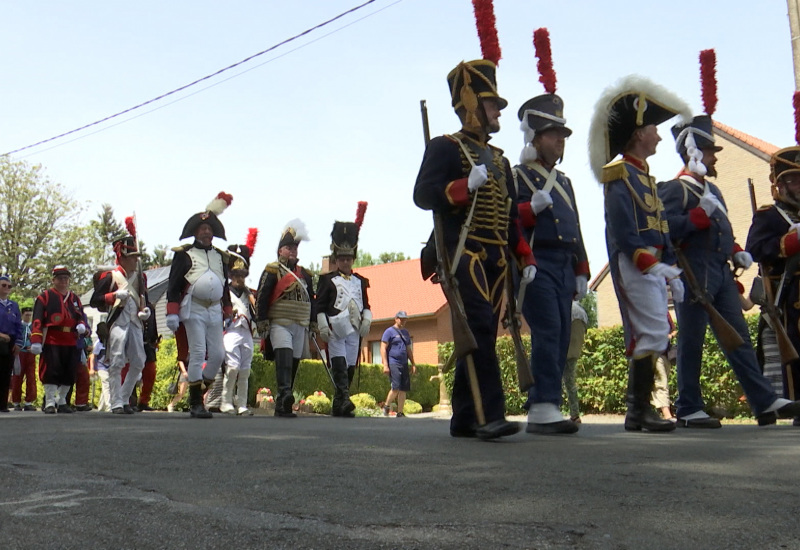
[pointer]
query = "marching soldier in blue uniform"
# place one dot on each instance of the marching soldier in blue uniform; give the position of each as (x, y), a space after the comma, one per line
(774, 242)
(548, 213)
(699, 226)
(637, 236)
(456, 170)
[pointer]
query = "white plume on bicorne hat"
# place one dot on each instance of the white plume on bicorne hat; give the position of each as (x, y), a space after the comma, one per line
(219, 203)
(631, 85)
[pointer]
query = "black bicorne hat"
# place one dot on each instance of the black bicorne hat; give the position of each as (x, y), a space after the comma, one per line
(629, 112)
(214, 209)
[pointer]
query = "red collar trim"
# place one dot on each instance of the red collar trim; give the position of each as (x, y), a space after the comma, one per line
(637, 162)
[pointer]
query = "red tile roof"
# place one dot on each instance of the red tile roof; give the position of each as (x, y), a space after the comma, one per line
(760, 144)
(399, 286)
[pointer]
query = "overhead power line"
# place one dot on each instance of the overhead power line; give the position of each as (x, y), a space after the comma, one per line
(198, 81)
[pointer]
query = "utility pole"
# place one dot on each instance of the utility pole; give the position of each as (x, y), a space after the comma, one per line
(794, 27)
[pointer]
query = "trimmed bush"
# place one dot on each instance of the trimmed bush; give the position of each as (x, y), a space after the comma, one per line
(364, 401)
(411, 407)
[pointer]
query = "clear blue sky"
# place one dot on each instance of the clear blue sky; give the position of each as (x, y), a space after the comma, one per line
(315, 130)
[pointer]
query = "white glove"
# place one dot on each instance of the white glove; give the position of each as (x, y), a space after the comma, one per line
(81, 328)
(122, 295)
(366, 322)
(324, 327)
(581, 287)
(478, 176)
(173, 322)
(528, 274)
(709, 202)
(540, 200)
(36, 349)
(144, 315)
(742, 259)
(668, 272)
(676, 286)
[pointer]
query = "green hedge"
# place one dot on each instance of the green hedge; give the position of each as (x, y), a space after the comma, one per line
(311, 377)
(602, 373)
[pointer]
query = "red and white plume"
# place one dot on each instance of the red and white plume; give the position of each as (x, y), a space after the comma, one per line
(541, 44)
(222, 201)
(252, 237)
(360, 211)
(708, 80)
(130, 225)
(487, 32)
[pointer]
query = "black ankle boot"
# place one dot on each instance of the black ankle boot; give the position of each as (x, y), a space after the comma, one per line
(196, 407)
(283, 376)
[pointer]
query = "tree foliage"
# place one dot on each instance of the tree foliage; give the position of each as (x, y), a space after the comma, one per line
(39, 228)
(364, 259)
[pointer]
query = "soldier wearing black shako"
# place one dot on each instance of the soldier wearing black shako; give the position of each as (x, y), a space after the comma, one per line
(457, 172)
(548, 213)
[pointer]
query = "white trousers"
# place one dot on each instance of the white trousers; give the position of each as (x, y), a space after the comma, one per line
(104, 403)
(204, 336)
(125, 345)
(238, 359)
(645, 307)
(346, 347)
(292, 336)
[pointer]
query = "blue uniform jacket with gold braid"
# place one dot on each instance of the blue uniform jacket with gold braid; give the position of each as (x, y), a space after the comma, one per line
(442, 187)
(558, 226)
(689, 227)
(634, 223)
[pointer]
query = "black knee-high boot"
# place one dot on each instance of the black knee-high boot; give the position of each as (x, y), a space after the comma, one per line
(641, 415)
(283, 376)
(342, 406)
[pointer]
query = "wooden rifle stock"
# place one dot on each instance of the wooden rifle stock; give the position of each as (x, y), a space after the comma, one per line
(513, 323)
(729, 339)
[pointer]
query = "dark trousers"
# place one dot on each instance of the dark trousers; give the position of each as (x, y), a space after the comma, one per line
(547, 308)
(480, 276)
(692, 323)
(6, 368)
(58, 365)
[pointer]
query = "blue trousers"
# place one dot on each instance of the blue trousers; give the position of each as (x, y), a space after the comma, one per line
(692, 322)
(480, 275)
(547, 308)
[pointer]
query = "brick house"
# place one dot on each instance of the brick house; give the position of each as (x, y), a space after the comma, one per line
(399, 286)
(743, 157)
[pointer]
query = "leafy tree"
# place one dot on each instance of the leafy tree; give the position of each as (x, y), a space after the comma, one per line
(363, 259)
(161, 256)
(389, 257)
(589, 303)
(39, 229)
(104, 231)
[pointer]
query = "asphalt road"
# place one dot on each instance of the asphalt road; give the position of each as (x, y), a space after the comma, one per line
(158, 480)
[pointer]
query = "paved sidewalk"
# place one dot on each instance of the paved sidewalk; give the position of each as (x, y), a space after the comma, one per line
(159, 480)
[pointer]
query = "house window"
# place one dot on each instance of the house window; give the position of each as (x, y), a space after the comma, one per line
(375, 351)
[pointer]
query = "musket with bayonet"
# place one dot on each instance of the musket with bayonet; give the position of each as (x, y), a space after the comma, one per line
(771, 303)
(464, 342)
